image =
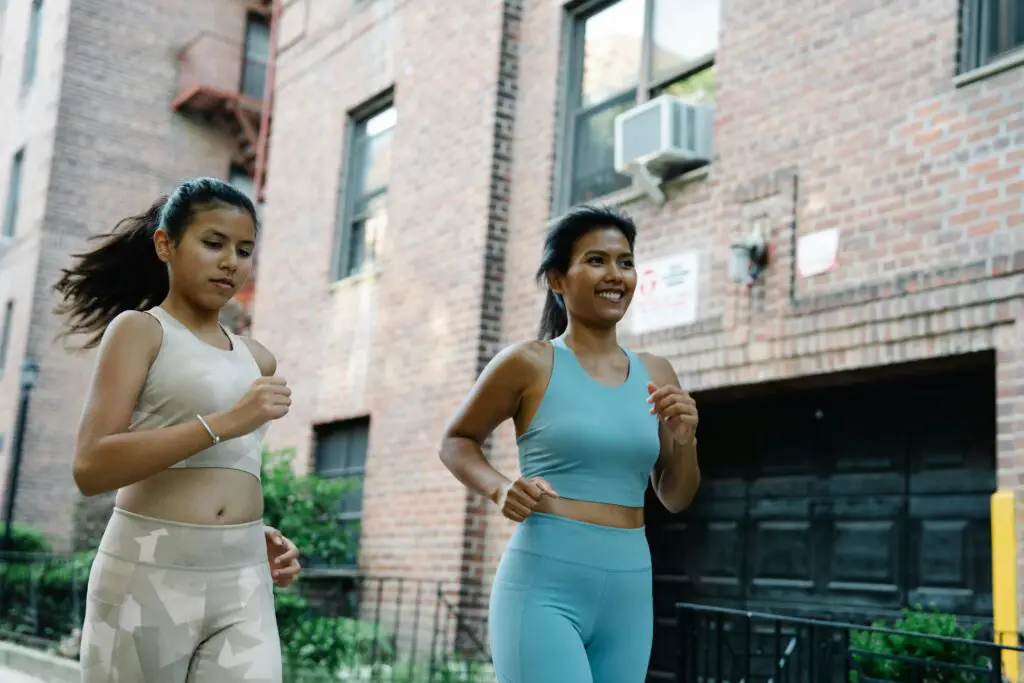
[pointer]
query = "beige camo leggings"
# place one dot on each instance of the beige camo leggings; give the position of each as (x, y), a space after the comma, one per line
(180, 603)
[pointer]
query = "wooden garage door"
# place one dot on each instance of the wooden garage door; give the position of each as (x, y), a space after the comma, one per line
(846, 502)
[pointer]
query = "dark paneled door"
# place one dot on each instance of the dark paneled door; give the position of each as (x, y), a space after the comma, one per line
(845, 502)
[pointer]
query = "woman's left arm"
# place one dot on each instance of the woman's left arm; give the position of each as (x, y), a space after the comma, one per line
(676, 474)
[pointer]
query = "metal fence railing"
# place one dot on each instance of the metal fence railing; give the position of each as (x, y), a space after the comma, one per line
(333, 624)
(719, 644)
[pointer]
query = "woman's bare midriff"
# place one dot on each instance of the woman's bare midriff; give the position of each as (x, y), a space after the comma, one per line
(603, 514)
(208, 495)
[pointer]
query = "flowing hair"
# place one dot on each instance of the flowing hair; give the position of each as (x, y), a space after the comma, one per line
(123, 272)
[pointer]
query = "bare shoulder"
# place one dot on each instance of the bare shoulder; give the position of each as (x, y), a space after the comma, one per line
(262, 355)
(526, 358)
(496, 395)
(136, 330)
(660, 369)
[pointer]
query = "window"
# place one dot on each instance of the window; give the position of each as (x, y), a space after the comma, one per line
(989, 30)
(13, 193)
(257, 50)
(240, 179)
(5, 334)
(365, 214)
(341, 452)
(28, 73)
(624, 54)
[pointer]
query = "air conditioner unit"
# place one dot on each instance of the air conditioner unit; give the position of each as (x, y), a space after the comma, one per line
(660, 136)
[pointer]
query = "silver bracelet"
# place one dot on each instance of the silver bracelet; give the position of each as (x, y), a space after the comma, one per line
(206, 425)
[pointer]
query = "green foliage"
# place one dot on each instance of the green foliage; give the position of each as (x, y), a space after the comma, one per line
(44, 599)
(303, 508)
(881, 664)
(25, 539)
(46, 596)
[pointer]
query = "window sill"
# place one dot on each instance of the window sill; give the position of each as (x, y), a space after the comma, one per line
(631, 194)
(1004, 63)
(355, 280)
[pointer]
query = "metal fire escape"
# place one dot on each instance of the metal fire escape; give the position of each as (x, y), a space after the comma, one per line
(229, 84)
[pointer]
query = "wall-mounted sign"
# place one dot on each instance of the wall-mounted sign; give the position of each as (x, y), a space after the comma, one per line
(666, 292)
(817, 252)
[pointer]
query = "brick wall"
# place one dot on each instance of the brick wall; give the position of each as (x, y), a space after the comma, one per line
(845, 116)
(841, 117)
(30, 119)
(402, 344)
(110, 143)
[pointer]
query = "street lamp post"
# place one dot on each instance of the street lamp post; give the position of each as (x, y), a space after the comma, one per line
(29, 371)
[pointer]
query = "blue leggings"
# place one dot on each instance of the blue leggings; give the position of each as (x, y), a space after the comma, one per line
(572, 603)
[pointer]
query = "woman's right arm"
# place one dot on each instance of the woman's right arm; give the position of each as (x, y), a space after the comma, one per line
(494, 398)
(108, 456)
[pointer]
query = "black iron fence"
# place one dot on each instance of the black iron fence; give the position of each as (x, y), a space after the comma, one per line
(389, 629)
(42, 597)
(720, 645)
(333, 624)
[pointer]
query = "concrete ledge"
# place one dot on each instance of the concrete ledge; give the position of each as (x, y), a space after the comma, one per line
(48, 667)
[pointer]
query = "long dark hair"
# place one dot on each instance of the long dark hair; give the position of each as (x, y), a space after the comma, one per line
(123, 272)
(558, 245)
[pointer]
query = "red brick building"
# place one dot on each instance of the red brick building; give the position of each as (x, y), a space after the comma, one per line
(104, 106)
(856, 422)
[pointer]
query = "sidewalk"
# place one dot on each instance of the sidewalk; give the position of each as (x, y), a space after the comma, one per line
(12, 676)
(20, 664)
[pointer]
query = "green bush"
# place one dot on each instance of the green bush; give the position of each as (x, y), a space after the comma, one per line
(320, 646)
(25, 539)
(44, 599)
(880, 665)
(304, 507)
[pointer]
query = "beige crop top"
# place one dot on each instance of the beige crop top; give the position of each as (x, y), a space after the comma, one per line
(190, 377)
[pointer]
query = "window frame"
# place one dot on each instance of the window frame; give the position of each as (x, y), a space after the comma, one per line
(570, 107)
(347, 427)
(254, 21)
(5, 334)
(30, 57)
(975, 53)
(341, 268)
(12, 205)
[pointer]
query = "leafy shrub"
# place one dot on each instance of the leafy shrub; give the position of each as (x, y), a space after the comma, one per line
(321, 646)
(879, 661)
(25, 539)
(304, 507)
(44, 598)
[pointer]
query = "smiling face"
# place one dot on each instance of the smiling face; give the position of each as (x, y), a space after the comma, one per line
(213, 258)
(600, 280)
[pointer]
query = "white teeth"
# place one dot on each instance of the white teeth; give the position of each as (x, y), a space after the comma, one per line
(611, 296)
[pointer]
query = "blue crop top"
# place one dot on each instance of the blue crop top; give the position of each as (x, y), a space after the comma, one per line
(591, 441)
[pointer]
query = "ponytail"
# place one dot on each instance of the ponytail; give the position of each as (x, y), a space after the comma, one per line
(557, 254)
(553, 319)
(122, 273)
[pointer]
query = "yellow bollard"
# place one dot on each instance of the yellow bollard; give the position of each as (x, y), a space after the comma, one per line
(1004, 578)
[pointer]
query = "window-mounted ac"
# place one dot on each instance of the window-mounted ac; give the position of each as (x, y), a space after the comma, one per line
(661, 136)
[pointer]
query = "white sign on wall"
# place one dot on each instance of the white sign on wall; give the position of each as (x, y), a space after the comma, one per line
(666, 292)
(817, 252)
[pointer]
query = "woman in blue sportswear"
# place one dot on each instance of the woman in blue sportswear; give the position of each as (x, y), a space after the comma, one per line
(572, 598)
